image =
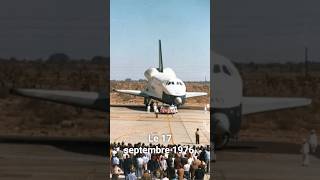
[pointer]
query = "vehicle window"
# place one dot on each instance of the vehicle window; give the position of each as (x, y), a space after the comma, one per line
(226, 70)
(216, 69)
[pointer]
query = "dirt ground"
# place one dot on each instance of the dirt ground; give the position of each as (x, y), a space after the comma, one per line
(291, 125)
(25, 116)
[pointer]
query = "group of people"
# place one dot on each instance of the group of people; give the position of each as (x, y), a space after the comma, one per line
(164, 166)
(309, 145)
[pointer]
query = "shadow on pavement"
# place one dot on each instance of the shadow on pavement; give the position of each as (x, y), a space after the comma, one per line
(89, 146)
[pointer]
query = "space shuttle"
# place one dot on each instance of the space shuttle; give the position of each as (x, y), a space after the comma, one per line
(228, 105)
(163, 85)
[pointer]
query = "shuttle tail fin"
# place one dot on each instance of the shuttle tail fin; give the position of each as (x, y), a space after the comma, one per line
(160, 69)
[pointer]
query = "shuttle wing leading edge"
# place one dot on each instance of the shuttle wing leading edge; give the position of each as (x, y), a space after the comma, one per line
(252, 105)
(91, 100)
(132, 92)
(195, 94)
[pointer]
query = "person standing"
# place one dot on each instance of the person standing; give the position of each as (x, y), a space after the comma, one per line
(148, 108)
(313, 141)
(180, 172)
(197, 136)
(145, 161)
(305, 149)
(132, 175)
(200, 172)
(155, 109)
(193, 168)
(146, 175)
(127, 165)
(120, 157)
(116, 171)
(207, 158)
(139, 170)
(163, 164)
(186, 168)
(115, 160)
(170, 170)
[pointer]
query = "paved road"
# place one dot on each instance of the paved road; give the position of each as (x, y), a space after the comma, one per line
(133, 124)
(38, 161)
(264, 161)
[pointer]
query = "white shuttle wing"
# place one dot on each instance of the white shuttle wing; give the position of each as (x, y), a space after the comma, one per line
(91, 100)
(132, 92)
(195, 94)
(261, 104)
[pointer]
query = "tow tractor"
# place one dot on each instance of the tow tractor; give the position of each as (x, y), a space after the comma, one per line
(166, 109)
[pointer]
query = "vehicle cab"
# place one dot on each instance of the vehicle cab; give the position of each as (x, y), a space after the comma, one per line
(166, 109)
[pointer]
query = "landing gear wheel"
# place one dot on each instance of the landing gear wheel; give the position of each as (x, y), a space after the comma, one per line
(221, 140)
(147, 101)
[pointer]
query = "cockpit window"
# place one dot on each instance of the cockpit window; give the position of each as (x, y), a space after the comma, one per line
(173, 83)
(216, 69)
(170, 82)
(226, 70)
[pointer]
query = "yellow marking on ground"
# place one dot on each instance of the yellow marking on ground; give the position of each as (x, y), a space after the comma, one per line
(169, 123)
(185, 128)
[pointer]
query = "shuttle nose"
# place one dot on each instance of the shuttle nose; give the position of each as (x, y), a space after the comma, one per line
(178, 100)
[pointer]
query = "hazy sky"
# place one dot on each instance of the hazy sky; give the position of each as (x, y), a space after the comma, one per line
(245, 30)
(38, 28)
(267, 30)
(182, 25)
